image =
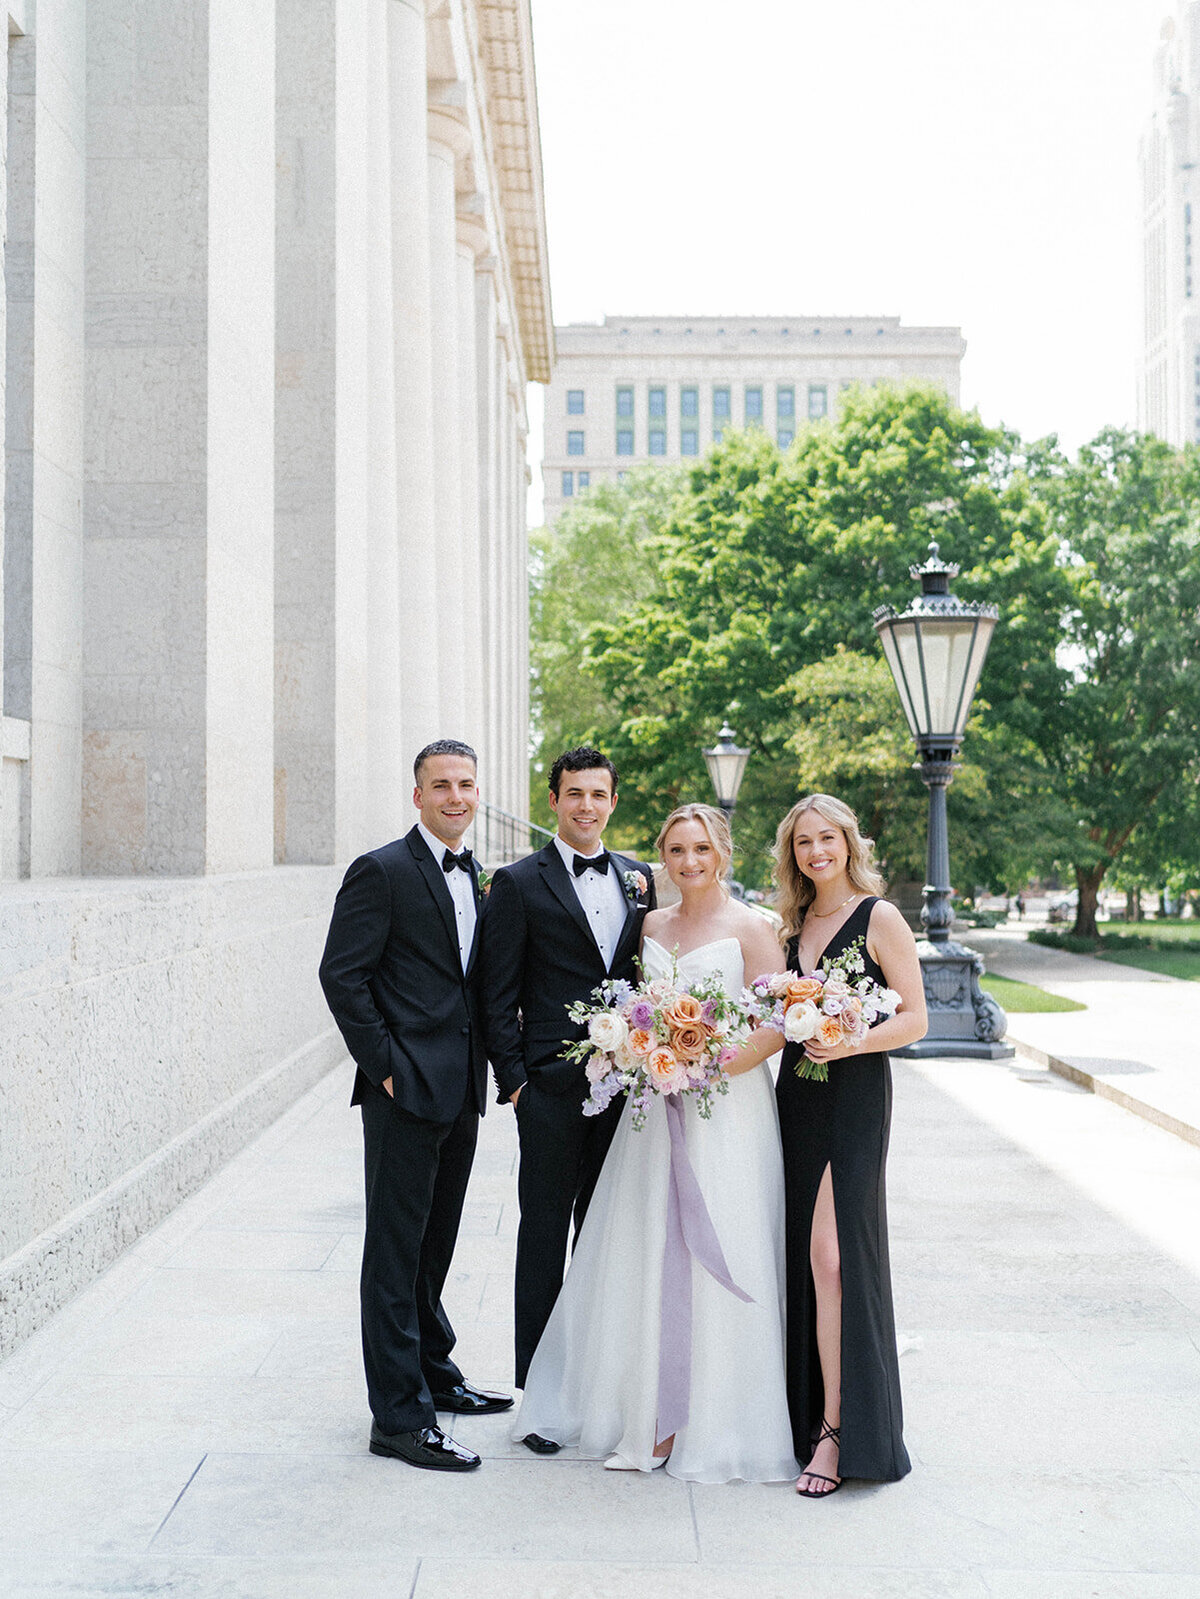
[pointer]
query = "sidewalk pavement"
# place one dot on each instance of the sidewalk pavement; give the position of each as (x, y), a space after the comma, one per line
(1137, 1043)
(195, 1424)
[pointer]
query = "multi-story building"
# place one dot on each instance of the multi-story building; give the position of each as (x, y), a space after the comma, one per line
(274, 284)
(642, 389)
(1168, 400)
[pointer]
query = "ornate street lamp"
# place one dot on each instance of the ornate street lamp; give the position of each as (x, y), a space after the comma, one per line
(936, 649)
(726, 766)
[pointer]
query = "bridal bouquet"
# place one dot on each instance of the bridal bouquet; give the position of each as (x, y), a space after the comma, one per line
(834, 1005)
(663, 1036)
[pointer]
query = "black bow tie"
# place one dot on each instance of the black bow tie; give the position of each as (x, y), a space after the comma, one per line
(450, 860)
(591, 863)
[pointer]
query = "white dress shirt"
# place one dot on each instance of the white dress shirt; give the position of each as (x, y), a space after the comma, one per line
(462, 892)
(602, 895)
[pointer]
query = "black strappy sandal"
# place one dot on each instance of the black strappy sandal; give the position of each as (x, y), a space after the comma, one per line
(822, 1493)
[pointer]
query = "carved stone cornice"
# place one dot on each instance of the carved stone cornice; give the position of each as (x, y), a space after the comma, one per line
(505, 34)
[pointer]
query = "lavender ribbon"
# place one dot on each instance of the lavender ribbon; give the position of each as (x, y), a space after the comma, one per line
(690, 1236)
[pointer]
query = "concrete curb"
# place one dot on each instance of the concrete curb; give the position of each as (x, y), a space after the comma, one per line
(1106, 1090)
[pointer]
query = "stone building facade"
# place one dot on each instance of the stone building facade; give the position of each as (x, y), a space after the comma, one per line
(1168, 401)
(275, 281)
(632, 390)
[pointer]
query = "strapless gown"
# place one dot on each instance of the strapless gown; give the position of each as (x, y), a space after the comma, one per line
(593, 1382)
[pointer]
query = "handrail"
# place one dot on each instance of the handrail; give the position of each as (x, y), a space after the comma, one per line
(501, 838)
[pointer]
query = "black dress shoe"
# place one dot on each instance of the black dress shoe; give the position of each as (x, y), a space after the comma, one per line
(540, 1445)
(428, 1447)
(470, 1401)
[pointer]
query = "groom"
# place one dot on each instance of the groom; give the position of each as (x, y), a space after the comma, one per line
(557, 924)
(400, 973)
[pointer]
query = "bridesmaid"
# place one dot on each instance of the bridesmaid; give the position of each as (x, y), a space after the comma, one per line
(843, 1375)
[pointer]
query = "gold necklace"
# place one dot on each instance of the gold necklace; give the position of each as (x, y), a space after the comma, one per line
(822, 915)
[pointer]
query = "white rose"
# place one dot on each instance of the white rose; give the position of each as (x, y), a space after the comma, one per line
(608, 1031)
(800, 1022)
(887, 1001)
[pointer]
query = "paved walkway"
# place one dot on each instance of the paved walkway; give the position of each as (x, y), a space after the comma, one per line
(194, 1424)
(1137, 1043)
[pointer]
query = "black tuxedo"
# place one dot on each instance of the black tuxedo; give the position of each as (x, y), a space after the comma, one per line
(539, 957)
(394, 980)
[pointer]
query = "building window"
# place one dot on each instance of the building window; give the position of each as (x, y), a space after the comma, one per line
(658, 441)
(585, 481)
(720, 405)
(624, 441)
(754, 405)
(622, 476)
(575, 442)
(818, 400)
(574, 402)
(658, 402)
(784, 437)
(568, 487)
(689, 442)
(785, 403)
(718, 435)
(689, 402)
(624, 402)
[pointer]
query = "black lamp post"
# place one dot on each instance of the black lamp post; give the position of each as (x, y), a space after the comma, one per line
(936, 650)
(726, 766)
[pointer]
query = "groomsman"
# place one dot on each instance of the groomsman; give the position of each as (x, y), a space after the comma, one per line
(557, 924)
(400, 976)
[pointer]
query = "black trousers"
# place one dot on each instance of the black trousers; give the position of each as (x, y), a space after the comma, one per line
(562, 1151)
(416, 1180)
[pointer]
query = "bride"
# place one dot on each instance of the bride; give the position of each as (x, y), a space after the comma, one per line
(594, 1377)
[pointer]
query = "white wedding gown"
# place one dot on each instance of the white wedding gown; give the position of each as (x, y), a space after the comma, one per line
(593, 1382)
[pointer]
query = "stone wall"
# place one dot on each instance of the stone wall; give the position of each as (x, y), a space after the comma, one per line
(147, 1030)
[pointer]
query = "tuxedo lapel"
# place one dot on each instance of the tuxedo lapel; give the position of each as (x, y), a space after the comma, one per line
(435, 880)
(474, 950)
(620, 865)
(559, 883)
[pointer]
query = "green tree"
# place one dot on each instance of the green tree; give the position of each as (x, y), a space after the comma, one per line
(1123, 734)
(597, 562)
(771, 563)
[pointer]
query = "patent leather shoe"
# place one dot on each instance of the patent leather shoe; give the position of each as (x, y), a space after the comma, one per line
(468, 1401)
(540, 1445)
(427, 1447)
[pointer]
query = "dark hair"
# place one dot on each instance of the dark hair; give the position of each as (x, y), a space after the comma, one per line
(443, 746)
(581, 759)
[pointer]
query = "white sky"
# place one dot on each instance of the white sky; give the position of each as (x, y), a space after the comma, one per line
(961, 162)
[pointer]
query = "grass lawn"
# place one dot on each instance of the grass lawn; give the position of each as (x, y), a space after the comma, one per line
(1183, 963)
(1162, 932)
(1017, 998)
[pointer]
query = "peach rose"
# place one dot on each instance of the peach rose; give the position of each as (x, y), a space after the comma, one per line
(665, 1070)
(801, 988)
(686, 1008)
(829, 1032)
(640, 1041)
(690, 1041)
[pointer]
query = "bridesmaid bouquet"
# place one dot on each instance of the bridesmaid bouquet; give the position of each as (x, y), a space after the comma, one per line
(834, 1005)
(663, 1036)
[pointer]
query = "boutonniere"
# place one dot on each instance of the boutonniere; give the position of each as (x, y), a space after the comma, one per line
(484, 881)
(635, 884)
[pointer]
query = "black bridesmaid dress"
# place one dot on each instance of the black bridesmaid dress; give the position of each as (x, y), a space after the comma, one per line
(844, 1124)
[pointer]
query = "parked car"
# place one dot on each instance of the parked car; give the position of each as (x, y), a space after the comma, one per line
(1062, 909)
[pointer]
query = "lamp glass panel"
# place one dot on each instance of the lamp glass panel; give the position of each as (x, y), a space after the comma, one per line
(983, 639)
(725, 768)
(946, 652)
(899, 664)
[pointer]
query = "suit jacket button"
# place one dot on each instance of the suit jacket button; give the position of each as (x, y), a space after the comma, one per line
(466, 1030)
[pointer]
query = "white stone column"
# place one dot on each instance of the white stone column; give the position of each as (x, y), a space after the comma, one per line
(472, 243)
(488, 501)
(179, 508)
(45, 339)
(447, 139)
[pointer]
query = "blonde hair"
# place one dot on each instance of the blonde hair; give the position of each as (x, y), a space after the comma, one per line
(714, 822)
(796, 892)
